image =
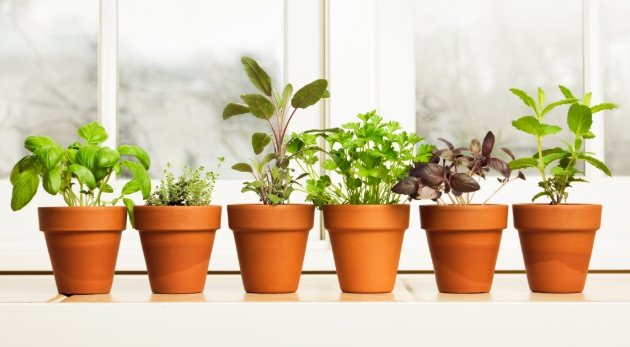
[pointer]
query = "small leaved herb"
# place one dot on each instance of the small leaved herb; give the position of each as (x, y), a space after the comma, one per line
(192, 188)
(579, 120)
(455, 175)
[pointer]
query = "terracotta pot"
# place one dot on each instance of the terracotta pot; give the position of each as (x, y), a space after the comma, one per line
(271, 243)
(464, 244)
(557, 242)
(177, 242)
(366, 241)
(83, 246)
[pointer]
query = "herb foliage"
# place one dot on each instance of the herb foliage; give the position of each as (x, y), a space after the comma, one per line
(579, 120)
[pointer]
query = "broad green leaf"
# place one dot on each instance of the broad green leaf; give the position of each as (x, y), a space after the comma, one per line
(580, 119)
(93, 133)
(117, 169)
(87, 156)
(137, 152)
(34, 142)
(260, 79)
(141, 175)
(260, 141)
(108, 189)
(24, 189)
(310, 94)
(71, 154)
(578, 143)
(587, 99)
(287, 93)
(541, 98)
(539, 195)
(15, 174)
(259, 106)
(603, 106)
(326, 95)
(550, 151)
(526, 98)
(84, 175)
(26, 163)
(596, 163)
(51, 180)
(49, 156)
(329, 165)
(522, 163)
(555, 104)
(548, 159)
(548, 129)
(130, 205)
(566, 92)
(559, 171)
(269, 157)
(274, 198)
(107, 157)
(295, 145)
(528, 124)
(589, 135)
(278, 98)
(233, 109)
(243, 167)
(131, 187)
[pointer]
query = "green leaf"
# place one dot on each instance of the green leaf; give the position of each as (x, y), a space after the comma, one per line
(141, 175)
(93, 133)
(548, 129)
(107, 157)
(555, 104)
(295, 145)
(51, 180)
(259, 106)
(24, 189)
(15, 174)
(326, 95)
(260, 79)
(233, 109)
(286, 95)
(260, 141)
(243, 167)
(522, 163)
(117, 169)
(131, 187)
(130, 205)
(578, 143)
(274, 198)
(310, 94)
(589, 135)
(528, 124)
(137, 152)
(28, 162)
(87, 156)
(559, 171)
(49, 156)
(587, 99)
(541, 98)
(526, 98)
(580, 119)
(71, 154)
(539, 195)
(34, 142)
(84, 175)
(596, 163)
(269, 157)
(603, 106)
(566, 92)
(108, 189)
(548, 159)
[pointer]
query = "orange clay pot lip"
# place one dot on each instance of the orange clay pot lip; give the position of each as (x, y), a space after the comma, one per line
(267, 206)
(465, 206)
(168, 207)
(79, 208)
(536, 205)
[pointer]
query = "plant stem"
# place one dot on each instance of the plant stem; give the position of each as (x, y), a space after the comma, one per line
(100, 190)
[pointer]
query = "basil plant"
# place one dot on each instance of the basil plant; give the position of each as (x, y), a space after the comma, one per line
(79, 173)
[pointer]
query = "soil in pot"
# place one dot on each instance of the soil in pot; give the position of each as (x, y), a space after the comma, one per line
(177, 242)
(83, 245)
(557, 242)
(271, 243)
(366, 241)
(464, 244)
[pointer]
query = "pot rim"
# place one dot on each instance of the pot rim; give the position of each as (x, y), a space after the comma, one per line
(82, 208)
(169, 207)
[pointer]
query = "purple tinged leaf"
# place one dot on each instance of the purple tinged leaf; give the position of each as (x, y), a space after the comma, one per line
(508, 152)
(463, 183)
(446, 154)
(488, 144)
(447, 187)
(475, 147)
(463, 161)
(458, 150)
(456, 192)
(521, 175)
(408, 186)
(450, 145)
(426, 193)
(499, 166)
(431, 175)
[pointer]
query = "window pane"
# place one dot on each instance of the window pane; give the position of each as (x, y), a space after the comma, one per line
(470, 53)
(48, 72)
(615, 34)
(179, 67)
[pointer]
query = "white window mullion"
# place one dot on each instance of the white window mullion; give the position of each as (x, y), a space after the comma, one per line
(108, 70)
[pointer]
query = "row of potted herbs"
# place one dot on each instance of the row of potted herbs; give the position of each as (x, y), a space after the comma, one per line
(373, 168)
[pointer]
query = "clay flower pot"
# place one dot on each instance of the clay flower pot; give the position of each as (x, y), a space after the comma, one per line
(557, 242)
(366, 241)
(271, 243)
(83, 246)
(464, 244)
(177, 242)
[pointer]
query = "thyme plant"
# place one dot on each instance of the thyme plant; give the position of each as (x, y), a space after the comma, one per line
(579, 120)
(273, 181)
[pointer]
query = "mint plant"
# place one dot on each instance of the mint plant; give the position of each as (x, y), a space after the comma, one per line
(579, 120)
(451, 173)
(192, 188)
(273, 181)
(369, 157)
(87, 166)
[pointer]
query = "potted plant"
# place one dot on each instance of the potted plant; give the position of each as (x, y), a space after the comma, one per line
(364, 218)
(463, 238)
(271, 237)
(83, 238)
(177, 226)
(557, 238)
